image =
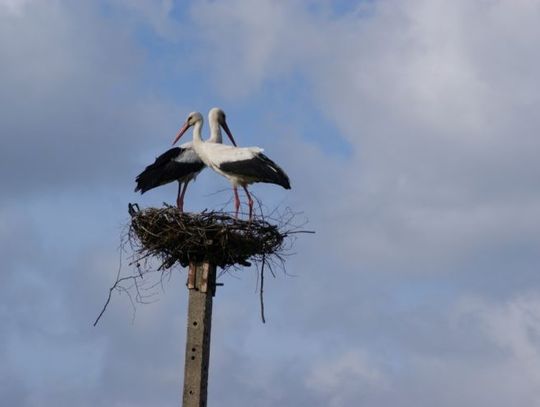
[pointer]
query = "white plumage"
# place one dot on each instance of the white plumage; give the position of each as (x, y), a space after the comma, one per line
(240, 165)
(181, 164)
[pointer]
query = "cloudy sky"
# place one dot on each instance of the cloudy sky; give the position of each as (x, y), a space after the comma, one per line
(409, 129)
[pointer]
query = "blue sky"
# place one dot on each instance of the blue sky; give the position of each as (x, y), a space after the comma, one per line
(409, 131)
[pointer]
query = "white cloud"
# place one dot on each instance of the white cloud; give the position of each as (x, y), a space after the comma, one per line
(245, 43)
(500, 371)
(435, 98)
(514, 327)
(487, 353)
(437, 199)
(157, 14)
(72, 103)
(14, 7)
(344, 379)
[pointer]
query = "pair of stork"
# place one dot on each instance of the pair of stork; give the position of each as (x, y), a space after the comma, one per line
(240, 165)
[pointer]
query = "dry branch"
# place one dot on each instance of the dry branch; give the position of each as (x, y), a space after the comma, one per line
(176, 237)
(161, 238)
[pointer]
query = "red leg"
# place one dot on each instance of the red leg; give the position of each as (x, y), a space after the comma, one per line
(181, 193)
(250, 202)
(236, 202)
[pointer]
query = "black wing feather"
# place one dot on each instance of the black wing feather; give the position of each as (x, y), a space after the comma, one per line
(166, 169)
(260, 168)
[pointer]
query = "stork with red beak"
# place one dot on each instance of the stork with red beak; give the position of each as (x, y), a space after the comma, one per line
(182, 164)
(240, 165)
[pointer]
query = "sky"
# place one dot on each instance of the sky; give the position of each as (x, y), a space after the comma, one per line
(409, 130)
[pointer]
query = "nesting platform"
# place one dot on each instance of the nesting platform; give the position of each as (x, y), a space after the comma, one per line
(216, 237)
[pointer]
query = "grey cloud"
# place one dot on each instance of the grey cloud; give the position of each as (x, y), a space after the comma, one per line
(442, 180)
(440, 161)
(156, 14)
(412, 291)
(69, 113)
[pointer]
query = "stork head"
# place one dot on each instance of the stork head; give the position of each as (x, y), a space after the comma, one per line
(192, 118)
(217, 115)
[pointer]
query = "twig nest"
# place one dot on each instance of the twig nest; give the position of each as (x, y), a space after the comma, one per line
(176, 237)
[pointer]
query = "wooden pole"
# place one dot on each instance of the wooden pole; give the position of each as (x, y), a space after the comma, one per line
(202, 287)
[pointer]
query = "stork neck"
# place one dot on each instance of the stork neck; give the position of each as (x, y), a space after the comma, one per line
(197, 133)
(215, 132)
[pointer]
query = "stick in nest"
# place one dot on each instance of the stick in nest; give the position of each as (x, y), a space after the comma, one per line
(171, 237)
(176, 237)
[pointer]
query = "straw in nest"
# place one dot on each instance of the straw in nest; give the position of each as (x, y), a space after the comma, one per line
(216, 237)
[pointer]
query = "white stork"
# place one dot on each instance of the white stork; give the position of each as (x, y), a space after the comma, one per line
(182, 163)
(240, 165)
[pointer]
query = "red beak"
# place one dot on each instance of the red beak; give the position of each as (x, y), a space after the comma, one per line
(226, 128)
(181, 132)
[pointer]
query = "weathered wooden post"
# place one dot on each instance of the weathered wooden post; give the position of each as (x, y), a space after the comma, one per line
(202, 287)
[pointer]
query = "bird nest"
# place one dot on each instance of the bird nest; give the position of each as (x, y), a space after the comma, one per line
(180, 238)
(171, 237)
